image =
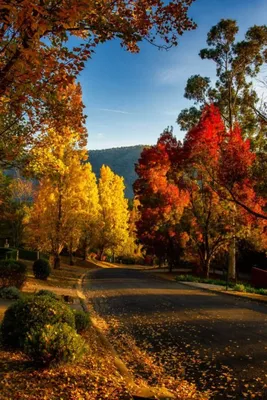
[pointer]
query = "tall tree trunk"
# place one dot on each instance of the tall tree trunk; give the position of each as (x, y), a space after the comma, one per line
(170, 265)
(232, 250)
(101, 254)
(207, 267)
(58, 230)
(85, 249)
(232, 260)
(57, 261)
(71, 253)
(71, 258)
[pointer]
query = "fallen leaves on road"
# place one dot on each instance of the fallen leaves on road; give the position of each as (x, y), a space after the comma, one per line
(178, 353)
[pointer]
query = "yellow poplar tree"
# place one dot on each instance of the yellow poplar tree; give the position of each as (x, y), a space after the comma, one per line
(90, 223)
(131, 248)
(61, 202)
(114, 214)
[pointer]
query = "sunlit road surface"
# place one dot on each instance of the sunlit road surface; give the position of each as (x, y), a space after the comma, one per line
(218, 342)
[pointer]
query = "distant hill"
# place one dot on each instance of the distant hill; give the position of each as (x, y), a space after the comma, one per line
(121, 160)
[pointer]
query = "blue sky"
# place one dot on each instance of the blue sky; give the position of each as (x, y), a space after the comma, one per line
(131, 98)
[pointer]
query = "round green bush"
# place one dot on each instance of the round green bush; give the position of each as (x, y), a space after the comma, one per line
(82, 321)
(44, 292)
(41, 269)
(11, 293)
(12, 273)
(54, 344)
(32, 313)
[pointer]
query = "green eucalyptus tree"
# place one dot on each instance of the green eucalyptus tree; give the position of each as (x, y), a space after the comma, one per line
(237, 64)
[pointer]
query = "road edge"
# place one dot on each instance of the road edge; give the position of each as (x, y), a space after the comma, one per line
(137, 392)
(224, 292)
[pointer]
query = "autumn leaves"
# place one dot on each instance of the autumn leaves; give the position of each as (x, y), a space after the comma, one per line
(70, 210)
(196, 196)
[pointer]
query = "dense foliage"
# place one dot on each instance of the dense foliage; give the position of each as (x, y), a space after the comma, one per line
(54, 344)
(33, 313)
(198, 196)
(39, 62)
(82, 320)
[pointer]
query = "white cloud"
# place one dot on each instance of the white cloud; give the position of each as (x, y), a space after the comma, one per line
(114, 111)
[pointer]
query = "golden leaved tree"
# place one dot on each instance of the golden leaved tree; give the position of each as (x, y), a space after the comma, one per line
(114, 214)
(90, 223)
(131, 248)
(61, 204)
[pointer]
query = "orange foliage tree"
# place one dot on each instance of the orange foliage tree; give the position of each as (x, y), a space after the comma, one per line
(162, 202)
(38, 63)
(195, 189)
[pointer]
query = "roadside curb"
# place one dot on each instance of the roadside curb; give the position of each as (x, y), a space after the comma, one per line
(225, 292)
(136, 391)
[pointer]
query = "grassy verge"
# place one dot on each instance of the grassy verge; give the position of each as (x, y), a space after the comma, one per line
(239, 287)
(61, 281)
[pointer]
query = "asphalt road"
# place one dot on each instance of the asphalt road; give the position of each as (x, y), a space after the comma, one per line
(218, 342)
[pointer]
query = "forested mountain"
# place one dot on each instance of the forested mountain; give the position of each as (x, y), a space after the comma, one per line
(121, 160)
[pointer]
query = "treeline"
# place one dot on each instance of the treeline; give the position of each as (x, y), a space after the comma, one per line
(69, 209)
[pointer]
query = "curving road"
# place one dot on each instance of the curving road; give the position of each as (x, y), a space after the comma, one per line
(218, 342)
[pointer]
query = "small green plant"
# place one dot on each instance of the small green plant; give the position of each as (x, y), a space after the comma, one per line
(32, 313)
(44, 292)
(187, 278)
(261, 291)
(239, 287)
(250, 289)
(41, 269)
(54, 344)
(11, 293)
(12, 273)
(82, 321)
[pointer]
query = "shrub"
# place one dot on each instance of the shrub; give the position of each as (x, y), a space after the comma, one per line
(187, 278)
(32, 313)
(44, 292)
(41, 269)
(12, 273)
(82, 321)
(261, 291)
(250, 289)
(10, 292)
(239, 288)
(53, 344)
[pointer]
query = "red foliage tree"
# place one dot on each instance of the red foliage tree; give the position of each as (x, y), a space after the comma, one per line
(161, 200)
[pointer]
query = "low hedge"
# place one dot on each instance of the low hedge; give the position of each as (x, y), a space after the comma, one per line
(33, 313)
(12, 273)
(54, 344)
